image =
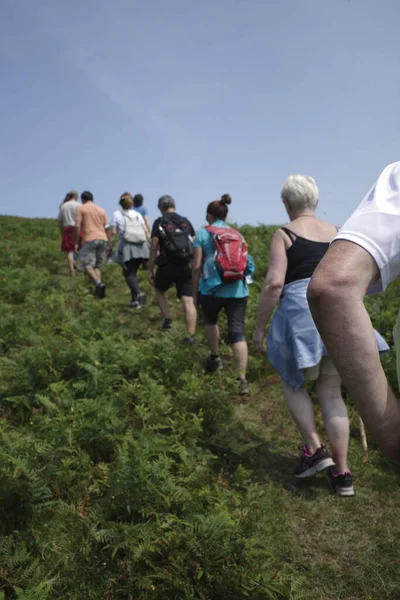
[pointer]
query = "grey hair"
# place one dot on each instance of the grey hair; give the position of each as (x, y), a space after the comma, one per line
(300, 192)
(72, 195)
(166, 202)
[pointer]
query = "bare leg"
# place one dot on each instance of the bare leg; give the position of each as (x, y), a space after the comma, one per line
(335, 296)
(190, 312)
(94, 274)
(212, 335)
(70, 259)
(301, 408)
(336, 421)
(162, 304)
(240, 356)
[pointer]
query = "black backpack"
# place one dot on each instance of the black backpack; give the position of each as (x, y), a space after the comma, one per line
(176, 239)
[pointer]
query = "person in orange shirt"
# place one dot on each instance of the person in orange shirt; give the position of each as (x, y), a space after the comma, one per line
(91, 221)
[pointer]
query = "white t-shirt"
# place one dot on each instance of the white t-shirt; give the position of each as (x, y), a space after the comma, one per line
(375, 225)
(119, 221)
(68, 212)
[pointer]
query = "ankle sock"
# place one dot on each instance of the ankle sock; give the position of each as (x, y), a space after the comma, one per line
(307, 452)
(335, 474)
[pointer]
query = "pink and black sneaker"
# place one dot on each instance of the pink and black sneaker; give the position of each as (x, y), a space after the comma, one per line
(341, 483)
(310, 464)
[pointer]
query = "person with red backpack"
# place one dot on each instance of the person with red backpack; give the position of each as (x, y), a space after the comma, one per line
(172, 250)
(222, 270)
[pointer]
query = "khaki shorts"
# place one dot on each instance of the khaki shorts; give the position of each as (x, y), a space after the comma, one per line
(396, 338)
(93, 254)
(325, 367)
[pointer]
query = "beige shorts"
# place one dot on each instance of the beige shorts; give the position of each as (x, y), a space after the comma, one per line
(325, 367)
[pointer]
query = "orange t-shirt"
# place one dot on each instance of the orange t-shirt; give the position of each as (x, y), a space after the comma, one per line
(91, 219)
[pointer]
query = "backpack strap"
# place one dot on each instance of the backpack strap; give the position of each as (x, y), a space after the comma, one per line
(130, 216)
(291, 234)
(212, 230)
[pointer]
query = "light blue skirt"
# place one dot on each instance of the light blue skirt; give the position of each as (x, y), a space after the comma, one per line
(293, 341)
(126, 251)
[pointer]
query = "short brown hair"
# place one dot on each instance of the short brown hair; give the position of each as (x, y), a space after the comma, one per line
(126, 200)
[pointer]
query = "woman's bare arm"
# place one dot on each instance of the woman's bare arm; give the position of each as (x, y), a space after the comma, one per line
(273, 286)
(196, 271)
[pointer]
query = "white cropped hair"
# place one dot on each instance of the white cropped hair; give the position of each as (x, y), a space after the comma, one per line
(300, 192)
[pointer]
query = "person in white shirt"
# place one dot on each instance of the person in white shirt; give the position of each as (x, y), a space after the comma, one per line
(133, 248)
(363, 258)
(66, 219)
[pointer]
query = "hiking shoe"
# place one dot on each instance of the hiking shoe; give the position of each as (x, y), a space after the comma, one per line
(214, 363)
(135, 304)
(243, 387)
(341, 483)
(100, 291)
(310, 464)
(189, 339)
(167, 324)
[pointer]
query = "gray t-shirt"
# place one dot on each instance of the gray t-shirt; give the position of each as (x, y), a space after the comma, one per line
(67, 214)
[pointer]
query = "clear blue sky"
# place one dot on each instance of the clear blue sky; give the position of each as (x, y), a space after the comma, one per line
(197, 98)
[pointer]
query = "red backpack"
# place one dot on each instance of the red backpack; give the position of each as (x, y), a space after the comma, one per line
(231, 256)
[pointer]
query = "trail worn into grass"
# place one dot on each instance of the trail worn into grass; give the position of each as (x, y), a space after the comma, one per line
(348, 547)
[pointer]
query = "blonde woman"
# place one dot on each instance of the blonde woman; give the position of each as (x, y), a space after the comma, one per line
(294, 345)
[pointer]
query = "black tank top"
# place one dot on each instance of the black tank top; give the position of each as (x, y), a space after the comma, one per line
(303, 256)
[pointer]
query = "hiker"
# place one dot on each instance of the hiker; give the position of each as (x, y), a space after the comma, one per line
(133, 247)
(142, 210)
(220, 283)
(91, 220)
(172, 237)
(66, 219)
(138, 206)
(294, 346)
(365, 257)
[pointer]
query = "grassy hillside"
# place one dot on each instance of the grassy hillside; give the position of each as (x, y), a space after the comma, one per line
(126, 473)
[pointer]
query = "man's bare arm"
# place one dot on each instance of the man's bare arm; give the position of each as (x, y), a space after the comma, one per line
(336, 298)
(78, 225)
(153, 257)
(196, 271)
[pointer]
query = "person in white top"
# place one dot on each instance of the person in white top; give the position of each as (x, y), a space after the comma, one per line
(363, 258)
(133, 248)
(66, 219)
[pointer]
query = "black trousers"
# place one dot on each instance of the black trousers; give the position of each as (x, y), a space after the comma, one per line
(130, 269)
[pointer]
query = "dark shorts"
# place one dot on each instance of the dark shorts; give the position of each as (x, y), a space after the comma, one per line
(68, 239)
(235, 309)
(173, 274)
